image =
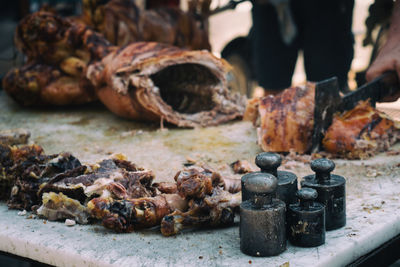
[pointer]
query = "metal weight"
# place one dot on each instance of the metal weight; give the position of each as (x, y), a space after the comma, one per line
(331, 192)
(306, 220)
(287, 181)
(262, 218)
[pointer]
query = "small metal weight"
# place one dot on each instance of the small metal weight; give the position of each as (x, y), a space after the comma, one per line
(287, 181)
(331, 192)
(262, 218)
(306, 220)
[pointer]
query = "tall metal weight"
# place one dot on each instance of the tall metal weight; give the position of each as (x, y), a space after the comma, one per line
(331, 192)
(287, 181)
(262, 218)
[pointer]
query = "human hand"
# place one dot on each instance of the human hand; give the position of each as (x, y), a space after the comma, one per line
(388, 59)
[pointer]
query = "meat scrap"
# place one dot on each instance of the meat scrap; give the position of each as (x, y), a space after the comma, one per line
(10, 158)
(60, 207)
(128, 215)
(14, 136)
(215, 209)
(241, 167)
(115, 191)
(31, 173)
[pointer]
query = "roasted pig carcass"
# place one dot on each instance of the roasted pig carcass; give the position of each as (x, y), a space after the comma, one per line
(287, 120)
(122, 22)
(216, 209)
(156, 82)
(361, 132)
(58, 51)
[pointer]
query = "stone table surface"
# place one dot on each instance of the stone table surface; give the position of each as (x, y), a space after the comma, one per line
(92, 133)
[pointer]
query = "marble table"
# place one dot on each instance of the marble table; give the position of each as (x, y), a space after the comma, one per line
(92, 133)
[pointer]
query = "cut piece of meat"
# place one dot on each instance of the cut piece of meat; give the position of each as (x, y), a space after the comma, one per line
(361, 132)
(287, 120)
(152, 81)
(57, 207)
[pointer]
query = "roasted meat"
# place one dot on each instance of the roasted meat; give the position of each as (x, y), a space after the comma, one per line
(152, 81)
(115, 191)
(241, 166)
(116, 178)
(58, 51)
(208, 203)
(361, 132)
(216, 209)
(11, 158)
(14, 136)
(197, 182)
(60, 207)
(45, 37)
(31, 173)
(287, 125)
(128, 215)
(287, 120)
(40, 85)
(145, 81)
(122, 22)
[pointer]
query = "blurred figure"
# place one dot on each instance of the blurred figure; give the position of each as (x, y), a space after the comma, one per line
(322, 30)
(388, 58)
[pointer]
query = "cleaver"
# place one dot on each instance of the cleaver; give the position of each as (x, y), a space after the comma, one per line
(328, 101)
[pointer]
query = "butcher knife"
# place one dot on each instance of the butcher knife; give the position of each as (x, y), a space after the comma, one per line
(328, 101)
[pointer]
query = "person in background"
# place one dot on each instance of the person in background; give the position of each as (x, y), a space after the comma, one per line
(388, 58)
(321, 29)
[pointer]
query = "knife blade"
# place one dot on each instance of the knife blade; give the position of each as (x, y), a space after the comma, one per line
(385, 85)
